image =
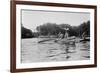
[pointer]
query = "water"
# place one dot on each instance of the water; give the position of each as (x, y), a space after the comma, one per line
(48, 51)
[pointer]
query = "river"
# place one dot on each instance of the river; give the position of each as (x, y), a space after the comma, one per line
(48, 51)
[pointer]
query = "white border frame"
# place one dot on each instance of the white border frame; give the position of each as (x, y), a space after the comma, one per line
(51, 64)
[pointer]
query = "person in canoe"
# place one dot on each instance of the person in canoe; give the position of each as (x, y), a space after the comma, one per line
(65, 35)
(60, 35)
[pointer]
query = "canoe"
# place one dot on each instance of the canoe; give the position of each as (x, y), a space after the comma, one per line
(83, 40)
(66, 41)
(45, 40)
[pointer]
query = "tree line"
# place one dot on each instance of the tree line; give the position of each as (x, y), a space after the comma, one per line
(54, 29)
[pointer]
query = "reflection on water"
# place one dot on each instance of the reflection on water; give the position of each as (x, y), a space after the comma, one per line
(32, 51)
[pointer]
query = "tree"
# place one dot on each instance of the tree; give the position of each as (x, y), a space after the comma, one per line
(84, 28)
(48, 28)
(26, 33)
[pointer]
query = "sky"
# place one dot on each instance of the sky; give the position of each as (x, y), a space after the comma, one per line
(31, 18)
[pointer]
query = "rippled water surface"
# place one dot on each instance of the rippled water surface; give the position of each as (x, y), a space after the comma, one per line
(48, 51)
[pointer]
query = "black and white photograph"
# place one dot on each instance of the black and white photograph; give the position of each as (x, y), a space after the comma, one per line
(54, 36)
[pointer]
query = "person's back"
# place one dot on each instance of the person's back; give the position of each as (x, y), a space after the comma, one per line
(60, 35)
